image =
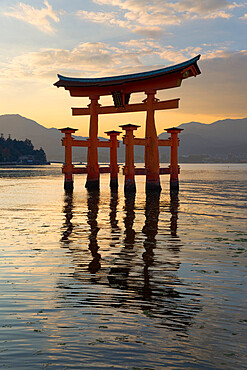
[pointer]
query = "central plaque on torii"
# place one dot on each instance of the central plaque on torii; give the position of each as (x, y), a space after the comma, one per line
(121, 88)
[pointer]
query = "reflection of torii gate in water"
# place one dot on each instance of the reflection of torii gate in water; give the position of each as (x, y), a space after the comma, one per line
(121, 87)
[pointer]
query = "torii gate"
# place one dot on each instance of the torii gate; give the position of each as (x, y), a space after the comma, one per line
(121, 88)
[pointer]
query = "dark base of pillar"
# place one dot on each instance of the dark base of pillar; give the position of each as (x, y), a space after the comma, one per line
(68, 186)
(174, 186)
(153, 186)
(130, 187)
(114, 184)
(92, 184)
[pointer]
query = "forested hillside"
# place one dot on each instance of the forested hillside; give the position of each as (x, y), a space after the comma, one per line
(20, 151)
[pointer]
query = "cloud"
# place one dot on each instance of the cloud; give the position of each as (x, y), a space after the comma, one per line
(192, 6)
(87, 58)
(162, 13)
(218, 14)
(171, 54)
(111, 19)
(150, 19)
(102, 59)
(40, 18)
(152, 32)
(201, 7)
(244, 17)
(237, 5)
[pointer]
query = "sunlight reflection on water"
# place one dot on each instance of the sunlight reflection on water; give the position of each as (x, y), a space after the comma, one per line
(98, 280)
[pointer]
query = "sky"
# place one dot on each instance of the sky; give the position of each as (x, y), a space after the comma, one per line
(95, 38)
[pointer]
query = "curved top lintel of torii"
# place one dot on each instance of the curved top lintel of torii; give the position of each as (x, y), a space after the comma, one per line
(158, 79)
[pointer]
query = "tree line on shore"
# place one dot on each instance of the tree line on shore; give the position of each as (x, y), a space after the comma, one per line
(20, 151)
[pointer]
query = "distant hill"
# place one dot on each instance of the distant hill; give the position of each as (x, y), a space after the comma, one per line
(224, 140)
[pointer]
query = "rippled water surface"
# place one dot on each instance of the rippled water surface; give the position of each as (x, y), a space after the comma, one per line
(100, 281)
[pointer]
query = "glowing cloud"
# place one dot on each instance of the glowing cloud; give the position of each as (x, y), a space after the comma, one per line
(111, 19)
(162, 13)
(39, 18)
(101, 59)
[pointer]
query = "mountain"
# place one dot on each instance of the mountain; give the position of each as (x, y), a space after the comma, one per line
(224, 140)
(220, 140)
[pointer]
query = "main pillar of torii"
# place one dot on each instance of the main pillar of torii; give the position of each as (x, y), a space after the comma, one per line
(151, 147)
(92, 154)
(121, 88)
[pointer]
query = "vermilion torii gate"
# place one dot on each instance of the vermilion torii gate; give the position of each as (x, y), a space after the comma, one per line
(121, 88)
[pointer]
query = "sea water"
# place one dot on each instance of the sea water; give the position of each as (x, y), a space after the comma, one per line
(103, 281)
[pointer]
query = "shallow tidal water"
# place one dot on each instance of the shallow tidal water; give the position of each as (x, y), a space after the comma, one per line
(100, 281)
